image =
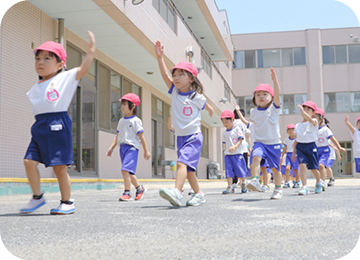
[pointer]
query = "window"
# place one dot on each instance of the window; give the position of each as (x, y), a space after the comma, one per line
(268, 58)
(227, 92)
(250, 60)
(205, 146)
(289, 103)
(341, 54)
(342, 102)
(287, 57)
(115, 95)
(245, 103)
(104, 97)
(299, 56)
(166, 10)
(239, 60)
(355, 101)
(205, 63)
(169, 135)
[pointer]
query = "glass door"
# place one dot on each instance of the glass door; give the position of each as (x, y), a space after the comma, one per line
(343, 168)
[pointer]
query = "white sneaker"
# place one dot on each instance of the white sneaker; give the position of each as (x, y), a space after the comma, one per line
(277, 194)
(63, 209)
(33, 205)
(196, 200)
(264, 188)
(254, 185)
(234, 185)
(171, 195)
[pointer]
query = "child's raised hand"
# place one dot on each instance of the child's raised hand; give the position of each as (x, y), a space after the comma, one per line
(346, 119)
(237, 107)
(343, 150)
(147, 155)
(159, 49)
(92, 41)
(109, 152)
(231, 149)
(273, 74)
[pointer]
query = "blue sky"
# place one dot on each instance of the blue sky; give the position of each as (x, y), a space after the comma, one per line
(253, 16)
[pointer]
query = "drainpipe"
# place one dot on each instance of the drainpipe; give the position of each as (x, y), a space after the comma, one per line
(61, 31)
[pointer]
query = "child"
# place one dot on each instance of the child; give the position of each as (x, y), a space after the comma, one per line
(331, 160)
(187, 103)
(305, 147)
(355, 134)
(287, 151)
(322, 142)
(130, 134)
(51, 142)
(235, 163)
(266, 133)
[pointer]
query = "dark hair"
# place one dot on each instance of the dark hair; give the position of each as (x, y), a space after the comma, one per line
(242, 111)
(51, 54)
(196, 85)
(130, 105)
(254, 103)
(326, 121)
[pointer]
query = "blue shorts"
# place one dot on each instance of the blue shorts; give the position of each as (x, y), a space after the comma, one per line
(307, 153)
(235, 164)
(294, 165)
(357, 163)
(189, 150)
(270, 152)
(324, 154)
(129, 157)
(51, 139)
(330, 163)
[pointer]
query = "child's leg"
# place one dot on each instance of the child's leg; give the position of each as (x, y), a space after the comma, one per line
(191, 176)
(134, 180)
(256, 166)
(322, 171)
(181, 174)
(64, 181)
(316, 174)
(277, 176)
(229, 181)
(33, 175)
(303, 169)
(287, 171)
(127, 180)
(330, 172)
(297, 175)
(265, 175)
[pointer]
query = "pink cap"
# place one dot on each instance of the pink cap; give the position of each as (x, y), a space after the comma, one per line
(310, 104)
(188, 66)
(290, 126)
(227, 114)
(265, 87)
(132, 98)
(358, 119)
(54, 47)
(320, 111)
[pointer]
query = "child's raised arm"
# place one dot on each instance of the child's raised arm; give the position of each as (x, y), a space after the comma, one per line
(159, 50)
(276, 88)
(305, 115)
(351, 127)
(89, 57)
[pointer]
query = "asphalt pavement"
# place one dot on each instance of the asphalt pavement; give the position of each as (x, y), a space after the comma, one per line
(235, 226)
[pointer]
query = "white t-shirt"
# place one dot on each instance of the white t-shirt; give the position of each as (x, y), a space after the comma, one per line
(244, 130)
(289, 144)
(186, 112)
(231, 137)
(129, 129)
(55, 94)
(265, 127)
(306, 132)
(283, 161)
(356, 145)
(324, 134)
(332, 151)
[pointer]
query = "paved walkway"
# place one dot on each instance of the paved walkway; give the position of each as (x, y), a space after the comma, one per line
(236, 226)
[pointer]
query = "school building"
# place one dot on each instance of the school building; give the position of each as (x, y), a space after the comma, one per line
(321, 65)
(125, 61)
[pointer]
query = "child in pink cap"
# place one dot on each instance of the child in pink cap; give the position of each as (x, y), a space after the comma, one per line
(323, 144)
(51, 142)
(305, 147)
(355, 134)
(288, 150)
(187, 102)
(266, 134)
(130, 135)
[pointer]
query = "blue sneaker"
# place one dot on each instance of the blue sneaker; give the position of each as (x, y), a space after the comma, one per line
(243, 188)
(228, 190)
(318, 188)
(296, 185)
(33, 205)
(286, 185)
(304, 190)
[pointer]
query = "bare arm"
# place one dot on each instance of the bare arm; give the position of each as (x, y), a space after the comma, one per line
(336, 143)
(248, 140)
(209, 109)
(294, 152)
(308, 118)
(351, 127)
(283, 152)
(159, 50)
(234, 147)
(89, 57)
(147, 154)
(112, 146)
(276, 88)
(237, 108)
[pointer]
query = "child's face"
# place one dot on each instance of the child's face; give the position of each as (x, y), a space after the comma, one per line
(46, 65)
(228, 123)
(291, 132)
(181, 80)
(262, 98)
(358, 124)
(125, 108)
(309, 111)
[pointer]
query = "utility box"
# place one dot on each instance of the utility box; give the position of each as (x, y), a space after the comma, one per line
(212, 170)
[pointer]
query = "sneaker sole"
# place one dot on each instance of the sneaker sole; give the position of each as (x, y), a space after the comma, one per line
(120, 199)
(274, 198)
(167, 197)
(145, 190)
(252, 187)
(27, 211)
(62, 213)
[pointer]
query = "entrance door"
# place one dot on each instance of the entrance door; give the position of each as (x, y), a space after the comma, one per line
(158, 169)
(343, 168)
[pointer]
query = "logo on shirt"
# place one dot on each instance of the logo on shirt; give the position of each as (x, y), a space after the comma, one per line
(321, 140)
(187, 110)
(52, 94)
(234, 140)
